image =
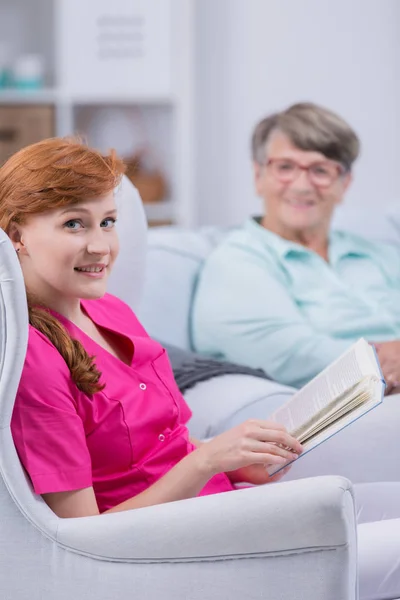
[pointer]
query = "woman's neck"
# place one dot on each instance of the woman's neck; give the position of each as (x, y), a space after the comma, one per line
(70, 308)
(316, 239)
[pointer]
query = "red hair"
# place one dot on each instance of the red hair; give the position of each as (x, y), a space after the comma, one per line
(53, 173)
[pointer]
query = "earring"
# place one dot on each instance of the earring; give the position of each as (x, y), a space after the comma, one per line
(17, 250)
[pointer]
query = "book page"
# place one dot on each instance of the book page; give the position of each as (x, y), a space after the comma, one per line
(332, 382)
(360, 394)
(374, 398)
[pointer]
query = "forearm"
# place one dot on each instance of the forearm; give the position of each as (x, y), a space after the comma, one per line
(195, 442)
(184, 480)
(236, 476)
(242, 475)
(253, 320)
(292, 356)
(307, 355)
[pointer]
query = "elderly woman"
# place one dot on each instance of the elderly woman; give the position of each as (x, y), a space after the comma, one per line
(285, 292)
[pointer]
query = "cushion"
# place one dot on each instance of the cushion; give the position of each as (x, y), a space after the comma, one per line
(174, 258)
(127, 277)
(379, 225)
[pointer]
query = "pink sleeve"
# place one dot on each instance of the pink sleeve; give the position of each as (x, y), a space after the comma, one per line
(47, 430)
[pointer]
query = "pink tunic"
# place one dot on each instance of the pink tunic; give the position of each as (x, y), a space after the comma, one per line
(120, 440)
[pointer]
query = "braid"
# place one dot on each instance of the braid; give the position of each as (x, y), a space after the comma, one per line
(82, 366)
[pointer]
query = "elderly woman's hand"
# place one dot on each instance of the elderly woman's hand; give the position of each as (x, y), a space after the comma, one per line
(389, 358)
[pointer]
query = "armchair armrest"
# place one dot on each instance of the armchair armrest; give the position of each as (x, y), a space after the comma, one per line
(297, 516)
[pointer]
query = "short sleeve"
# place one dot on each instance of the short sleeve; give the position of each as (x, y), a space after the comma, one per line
(47, 429)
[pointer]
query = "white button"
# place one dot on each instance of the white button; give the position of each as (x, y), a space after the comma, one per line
(161, 437)
(142, 386)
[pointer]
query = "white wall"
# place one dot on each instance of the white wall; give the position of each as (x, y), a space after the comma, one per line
(257, 56)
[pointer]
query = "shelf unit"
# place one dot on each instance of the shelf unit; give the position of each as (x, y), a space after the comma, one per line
(119, 73)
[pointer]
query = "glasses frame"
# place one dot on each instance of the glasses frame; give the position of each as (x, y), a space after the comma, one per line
(341, 170)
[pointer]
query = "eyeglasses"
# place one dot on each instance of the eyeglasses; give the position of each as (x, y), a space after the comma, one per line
(321, 174)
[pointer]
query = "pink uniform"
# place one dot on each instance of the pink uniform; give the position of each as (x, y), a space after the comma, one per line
(120, 440)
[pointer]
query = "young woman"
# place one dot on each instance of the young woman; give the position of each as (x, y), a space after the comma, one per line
(99, 423)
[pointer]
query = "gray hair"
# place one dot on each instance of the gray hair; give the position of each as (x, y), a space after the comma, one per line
(309, 127)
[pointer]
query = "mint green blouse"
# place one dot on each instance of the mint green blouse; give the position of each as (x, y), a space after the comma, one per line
(266, 302)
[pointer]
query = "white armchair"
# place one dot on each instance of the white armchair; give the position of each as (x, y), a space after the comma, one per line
(284, 541)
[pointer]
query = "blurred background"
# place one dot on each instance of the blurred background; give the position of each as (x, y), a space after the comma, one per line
(176, 86)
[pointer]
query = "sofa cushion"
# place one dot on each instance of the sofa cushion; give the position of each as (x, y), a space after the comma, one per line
(174, 257)
(379, 225)
(127, 277)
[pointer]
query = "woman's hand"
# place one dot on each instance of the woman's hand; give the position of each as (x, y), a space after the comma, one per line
(254, 442)
(389, 359)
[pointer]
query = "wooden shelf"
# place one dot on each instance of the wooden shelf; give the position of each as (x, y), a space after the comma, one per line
(120, 99)
(53, 96)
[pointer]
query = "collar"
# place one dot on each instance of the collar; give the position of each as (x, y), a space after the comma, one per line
(341, 243)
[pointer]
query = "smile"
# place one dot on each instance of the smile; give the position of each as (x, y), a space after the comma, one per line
(92, 271)
(301, 203)
(89, 269)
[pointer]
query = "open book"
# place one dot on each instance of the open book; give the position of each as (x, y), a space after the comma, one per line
(347, 389)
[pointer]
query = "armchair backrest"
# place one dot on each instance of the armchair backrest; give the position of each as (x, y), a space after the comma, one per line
(15, 489)
(13, 328)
